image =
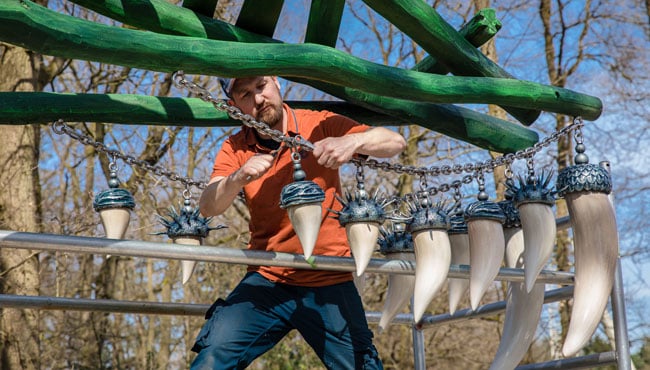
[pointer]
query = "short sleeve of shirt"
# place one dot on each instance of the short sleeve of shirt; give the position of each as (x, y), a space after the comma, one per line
(338, 125)
(227, 161)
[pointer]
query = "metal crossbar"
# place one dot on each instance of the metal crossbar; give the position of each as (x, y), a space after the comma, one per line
(89, 245)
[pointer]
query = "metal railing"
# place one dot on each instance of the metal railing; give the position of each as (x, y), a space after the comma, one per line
(134, 248)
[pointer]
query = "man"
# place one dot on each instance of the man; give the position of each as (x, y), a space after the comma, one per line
(324, 306)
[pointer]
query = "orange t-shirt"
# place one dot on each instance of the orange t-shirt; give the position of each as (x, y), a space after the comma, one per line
(269, 226)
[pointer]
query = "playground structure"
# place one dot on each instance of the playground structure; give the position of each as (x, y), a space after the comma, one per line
(424, 97)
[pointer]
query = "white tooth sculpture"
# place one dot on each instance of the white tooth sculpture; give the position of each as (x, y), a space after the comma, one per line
(459, 242)
(302, 199)
(306, 220)
(396, 245)
(187, 227)
(433, 256)
(486, 246)
(361, 216)
(428, 227)
(187, 267)
(362, 237)
(399, 293)
(585, 187)
(523, 308)
(534, 203)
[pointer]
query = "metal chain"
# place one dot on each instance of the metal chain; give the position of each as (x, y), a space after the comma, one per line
(235, 113)
(471, 168)
(60, 127)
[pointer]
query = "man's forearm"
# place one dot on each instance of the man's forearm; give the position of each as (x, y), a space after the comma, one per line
(380, 142)
(219, 195)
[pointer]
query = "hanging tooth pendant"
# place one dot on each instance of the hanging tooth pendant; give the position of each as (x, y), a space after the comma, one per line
(534, 203)
(187, 227)
(428, 227)
(523, 308)
(585, 188)
(397, 245)
(361, 216)
(487, 246)
(459, 243)
(114, 205)
(302, 200)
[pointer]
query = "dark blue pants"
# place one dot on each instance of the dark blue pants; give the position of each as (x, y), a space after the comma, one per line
(259, 313)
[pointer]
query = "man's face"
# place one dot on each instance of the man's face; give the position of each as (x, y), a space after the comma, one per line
(260, 97)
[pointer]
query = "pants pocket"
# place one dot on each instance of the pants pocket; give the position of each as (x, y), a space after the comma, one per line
(210, 315)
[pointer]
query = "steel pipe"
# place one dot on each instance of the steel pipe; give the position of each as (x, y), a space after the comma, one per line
(194, 309)
(620, 321)
(583, 362)
(135, 248)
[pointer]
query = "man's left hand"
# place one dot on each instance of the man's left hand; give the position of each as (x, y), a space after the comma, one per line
(332, 152)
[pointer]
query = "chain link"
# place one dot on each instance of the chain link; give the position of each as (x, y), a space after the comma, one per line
(472, 169)
(60, 127)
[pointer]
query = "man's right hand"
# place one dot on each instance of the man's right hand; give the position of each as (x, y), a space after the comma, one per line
(254, 168)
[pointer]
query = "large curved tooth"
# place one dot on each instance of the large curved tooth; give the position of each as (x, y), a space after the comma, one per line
(433, 257)
(400, 290)
(487, 247)
(187, 267)
(538, 223)
(306, 220)
(362, 237)
(514, 239)
(459, 256)
(523, 309)
(596, 249)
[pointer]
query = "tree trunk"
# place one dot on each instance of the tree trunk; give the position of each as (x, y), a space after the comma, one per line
(19, 210)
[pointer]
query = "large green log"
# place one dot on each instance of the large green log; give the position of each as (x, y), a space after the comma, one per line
(41, 107)
(260, 16)
(131, 109)
(426, 27)
(170, 19)
(324, 22)
(457, 122)
(69, 37)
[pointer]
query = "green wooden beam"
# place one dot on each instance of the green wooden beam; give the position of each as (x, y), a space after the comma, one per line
(163, 17)
(456, 122)
(42, 107)
(324, 22)
(260, 16)
(426, 27)
(465, 124)
(203, 7)
(52, 33)
(483, 26)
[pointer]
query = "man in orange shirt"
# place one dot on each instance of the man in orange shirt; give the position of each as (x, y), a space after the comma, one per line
(324, 306)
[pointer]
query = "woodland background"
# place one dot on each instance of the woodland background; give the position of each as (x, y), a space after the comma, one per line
(48, 181)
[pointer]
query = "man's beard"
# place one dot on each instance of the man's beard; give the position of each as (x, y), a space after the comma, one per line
(272, 116)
